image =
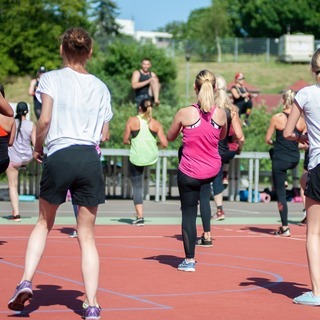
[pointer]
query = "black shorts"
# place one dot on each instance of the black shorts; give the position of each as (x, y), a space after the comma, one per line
(313, 184)
(78, 169)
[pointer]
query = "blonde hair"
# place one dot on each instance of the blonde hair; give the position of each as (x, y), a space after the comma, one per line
(288, 98)
(221, 98)
(315, 63)
(205, 83)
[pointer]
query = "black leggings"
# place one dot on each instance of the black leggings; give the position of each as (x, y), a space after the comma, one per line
(279, 176)
(4, 163)
(189, 190)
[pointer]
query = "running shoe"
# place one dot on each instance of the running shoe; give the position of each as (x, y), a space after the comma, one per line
(91, 313)
(283, 233)
(203, 242)
(73, 234)
(187, 266)
(139, 222)
(22, 294)
(16, 218)
(219, 215)
(308, 298)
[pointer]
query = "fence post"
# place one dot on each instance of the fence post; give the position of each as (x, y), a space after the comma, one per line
(268, 50)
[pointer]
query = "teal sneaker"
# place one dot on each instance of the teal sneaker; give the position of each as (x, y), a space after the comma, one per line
(308, 298)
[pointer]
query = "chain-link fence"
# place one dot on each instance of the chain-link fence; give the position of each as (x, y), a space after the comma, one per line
(230, 49)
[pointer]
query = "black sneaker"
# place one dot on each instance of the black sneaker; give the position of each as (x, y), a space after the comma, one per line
(202, 242)
(139, 222)
(283, 233)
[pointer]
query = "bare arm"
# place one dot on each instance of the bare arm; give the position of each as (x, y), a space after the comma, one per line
(105, 133)
(33, 135)
(270, 131)
(5, 107)
(31, 87)
(175, 127)
(43, 126)
(162, 137)
(135, 80)
(294, 117)
(12, 134)
(236, 125)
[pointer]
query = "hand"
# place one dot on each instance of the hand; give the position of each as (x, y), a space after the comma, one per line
(38, 155)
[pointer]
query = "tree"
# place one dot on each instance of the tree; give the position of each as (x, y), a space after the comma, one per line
(208, 25)
(104, 13)
(31, 30)
(178, 29)
(265, 18)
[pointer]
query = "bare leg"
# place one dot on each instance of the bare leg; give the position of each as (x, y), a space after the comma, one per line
(12, 174)
(38, 237)
(90, 263)
(218, 199)
(303, 181)
(139, 210)
(313, 243)
(154, 89)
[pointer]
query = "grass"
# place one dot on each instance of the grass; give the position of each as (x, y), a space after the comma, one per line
(272, 77)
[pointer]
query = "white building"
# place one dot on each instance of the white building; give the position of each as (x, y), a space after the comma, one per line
(160, 39)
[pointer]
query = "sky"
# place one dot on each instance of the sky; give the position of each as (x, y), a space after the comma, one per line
(150, 15)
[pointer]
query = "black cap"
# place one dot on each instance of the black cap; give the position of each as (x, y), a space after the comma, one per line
(42, 69)
(22, 108)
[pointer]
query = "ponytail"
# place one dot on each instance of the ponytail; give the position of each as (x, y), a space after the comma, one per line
(205, 83)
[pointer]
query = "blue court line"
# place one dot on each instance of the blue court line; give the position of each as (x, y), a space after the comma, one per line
(157, 306)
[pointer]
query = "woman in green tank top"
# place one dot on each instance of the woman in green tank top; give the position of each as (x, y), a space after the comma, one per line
(141, 133)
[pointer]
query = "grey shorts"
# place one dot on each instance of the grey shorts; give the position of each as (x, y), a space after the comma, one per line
(313, 184)
(78, 169)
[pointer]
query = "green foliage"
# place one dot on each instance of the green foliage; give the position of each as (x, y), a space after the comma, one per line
(123, 57)
(31, 30)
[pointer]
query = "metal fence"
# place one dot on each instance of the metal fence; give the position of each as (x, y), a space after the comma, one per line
(159, 180)
(232, 49)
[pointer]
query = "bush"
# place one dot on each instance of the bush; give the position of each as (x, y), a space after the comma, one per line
(117, 64)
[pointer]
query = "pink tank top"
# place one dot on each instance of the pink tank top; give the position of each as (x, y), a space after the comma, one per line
(200, 156)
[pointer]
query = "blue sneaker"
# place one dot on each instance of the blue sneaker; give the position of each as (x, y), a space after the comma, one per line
(22, 294)
(91, 313)
(187, 266)
(308, 298)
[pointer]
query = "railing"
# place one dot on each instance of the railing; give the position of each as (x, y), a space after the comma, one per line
(117, 182)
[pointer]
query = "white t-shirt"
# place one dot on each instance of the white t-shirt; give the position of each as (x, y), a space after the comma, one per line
(81, 105)
(308, 99)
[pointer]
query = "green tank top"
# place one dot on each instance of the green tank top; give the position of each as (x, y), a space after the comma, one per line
(144, 150)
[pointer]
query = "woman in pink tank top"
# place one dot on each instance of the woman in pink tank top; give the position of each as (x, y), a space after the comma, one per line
(202, 126)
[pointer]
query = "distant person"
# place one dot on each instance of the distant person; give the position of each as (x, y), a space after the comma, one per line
(202, 126)
(285, 155)
(242, 98)
(34, 83)
(7, 130)
(76, 110)
(145, 83)
(235, 134)
(141, 134)
(307, 102)
(20, 154)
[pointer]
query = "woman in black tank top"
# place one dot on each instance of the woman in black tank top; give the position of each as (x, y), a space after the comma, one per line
(285, 155)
